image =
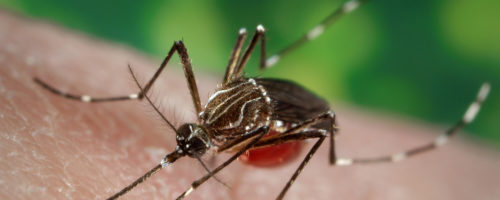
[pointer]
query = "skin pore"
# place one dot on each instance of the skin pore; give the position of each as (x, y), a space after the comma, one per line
(55, 148)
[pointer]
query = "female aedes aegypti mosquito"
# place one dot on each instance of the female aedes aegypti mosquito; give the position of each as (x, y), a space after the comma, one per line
(246, 115)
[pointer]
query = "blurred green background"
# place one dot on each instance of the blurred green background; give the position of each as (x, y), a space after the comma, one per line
(420, 59)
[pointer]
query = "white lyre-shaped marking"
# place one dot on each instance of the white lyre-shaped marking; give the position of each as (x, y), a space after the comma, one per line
(211, 119)
(242, 114)
(224, 91)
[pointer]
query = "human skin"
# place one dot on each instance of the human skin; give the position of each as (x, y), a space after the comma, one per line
(55, 148)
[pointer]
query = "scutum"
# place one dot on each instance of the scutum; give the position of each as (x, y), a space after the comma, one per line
(236, 109)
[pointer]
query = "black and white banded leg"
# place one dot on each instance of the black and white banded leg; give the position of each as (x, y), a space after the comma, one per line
(85, 98)
(467, 118)
(256, 134)
(188, 72)
(235, 69)
(301, 132)
(318, 30)
(235, 55)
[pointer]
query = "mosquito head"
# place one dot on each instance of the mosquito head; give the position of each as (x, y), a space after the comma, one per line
(193, 140)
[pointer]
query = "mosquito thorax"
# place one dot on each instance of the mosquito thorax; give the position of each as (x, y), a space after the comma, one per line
(235, 109)
(193, 140)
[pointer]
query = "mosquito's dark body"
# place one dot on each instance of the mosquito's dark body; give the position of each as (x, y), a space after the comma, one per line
(247, 104)
(235, 109)
(241, 114)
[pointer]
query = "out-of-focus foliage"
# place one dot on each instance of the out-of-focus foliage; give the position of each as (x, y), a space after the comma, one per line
(424, 59)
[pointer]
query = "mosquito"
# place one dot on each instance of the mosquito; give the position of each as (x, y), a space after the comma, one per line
(254, 115)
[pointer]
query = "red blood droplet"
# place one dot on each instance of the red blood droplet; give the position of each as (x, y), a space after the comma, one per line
(272, 156)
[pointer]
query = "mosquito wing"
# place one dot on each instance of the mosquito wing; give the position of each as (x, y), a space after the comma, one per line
(292, 103)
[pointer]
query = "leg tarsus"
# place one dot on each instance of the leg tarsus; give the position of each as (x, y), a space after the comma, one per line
(177, 46)
(235, 55)
(301, 167)
(316, 31)
(259, 35)
(468, 117)
(84, 98)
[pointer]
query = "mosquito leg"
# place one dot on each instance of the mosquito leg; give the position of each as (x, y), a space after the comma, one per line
(259, 34)
(88, 99)
(169, 159)
(210, 172)
(308, 134)
(258, 134)
(188, 72)
(312, 34)
(329, 115)
(468, 117)
(156, 109)
(332, 154)
(178, 46)
(301, 167)
(136, 182)
(235, 55)
(301, 136)
(304, 135)
(301, 132)
(234, 142)
(84, 98)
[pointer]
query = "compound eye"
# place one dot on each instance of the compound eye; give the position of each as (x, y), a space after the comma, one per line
(196, 147)
(183, 132)
(193, 140)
